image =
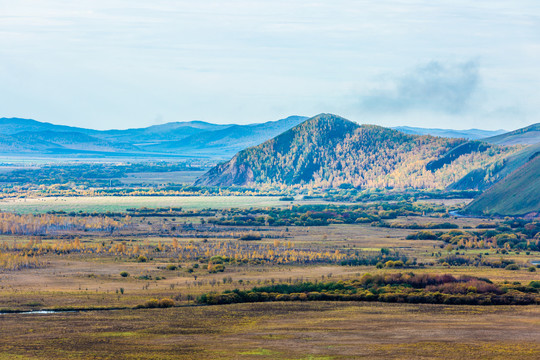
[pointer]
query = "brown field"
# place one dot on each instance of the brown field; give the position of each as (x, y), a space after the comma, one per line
(316, 330)
(83, 280)
(292, 330)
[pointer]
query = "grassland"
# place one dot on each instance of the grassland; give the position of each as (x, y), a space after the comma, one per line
(182, 177)
(91, 279)
(322, 330)
(121, 203)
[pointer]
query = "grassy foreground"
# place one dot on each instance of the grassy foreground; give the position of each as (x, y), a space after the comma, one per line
(322, 330)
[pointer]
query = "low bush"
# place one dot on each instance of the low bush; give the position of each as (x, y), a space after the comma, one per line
(155, 303)
(166, 303)
(215, 268)
(512, 267)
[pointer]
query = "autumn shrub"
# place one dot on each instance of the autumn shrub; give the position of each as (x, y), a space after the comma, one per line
(393, 264)
(215, 268)
(250, 236)
(473, 285)
(152, 303)
(166, 303)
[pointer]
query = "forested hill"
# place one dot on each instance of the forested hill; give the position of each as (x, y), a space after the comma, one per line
(328, 150)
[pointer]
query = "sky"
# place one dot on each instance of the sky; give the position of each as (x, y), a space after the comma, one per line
(105, 64)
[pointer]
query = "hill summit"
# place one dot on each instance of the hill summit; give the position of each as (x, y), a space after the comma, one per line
(328, 150)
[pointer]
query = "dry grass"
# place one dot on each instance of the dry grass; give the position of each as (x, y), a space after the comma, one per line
(322, 330)
(279, 331)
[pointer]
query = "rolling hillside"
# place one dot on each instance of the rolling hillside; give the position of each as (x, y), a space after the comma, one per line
(231, 139)
(327, 151)
(529, 135)
(484, 177)
(10, 126)
(528, 138)
(471, 134)
(192, 138)
(71, 140)
(163, 133)
(516, 195)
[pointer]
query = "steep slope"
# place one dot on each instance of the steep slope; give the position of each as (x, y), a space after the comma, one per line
(484, 177)
(232, 139)
(471, 134)
(517, 194)
(525, 136)
(328, 150)
(528, 138)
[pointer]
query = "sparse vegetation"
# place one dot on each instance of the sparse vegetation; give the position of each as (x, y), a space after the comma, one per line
(154, 260)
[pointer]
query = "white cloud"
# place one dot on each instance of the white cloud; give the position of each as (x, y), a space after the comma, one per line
(123, 62)
(435, 86)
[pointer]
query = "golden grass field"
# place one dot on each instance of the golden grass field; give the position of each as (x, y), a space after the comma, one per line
(288, 330)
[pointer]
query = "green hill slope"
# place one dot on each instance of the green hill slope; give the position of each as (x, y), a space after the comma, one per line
(517, 194)
(327, 151)
(525, 136)
(484, 177)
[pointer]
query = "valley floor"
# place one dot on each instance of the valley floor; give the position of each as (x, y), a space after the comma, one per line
(91, 270)
(313, 330)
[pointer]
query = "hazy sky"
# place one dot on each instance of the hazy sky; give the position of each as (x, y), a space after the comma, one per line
(128, 63)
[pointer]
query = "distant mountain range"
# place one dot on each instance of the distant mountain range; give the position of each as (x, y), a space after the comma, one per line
(227, 140)
(193, 139)
(328, 150)
(28, 137)
(322, 151)
(472, 134)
